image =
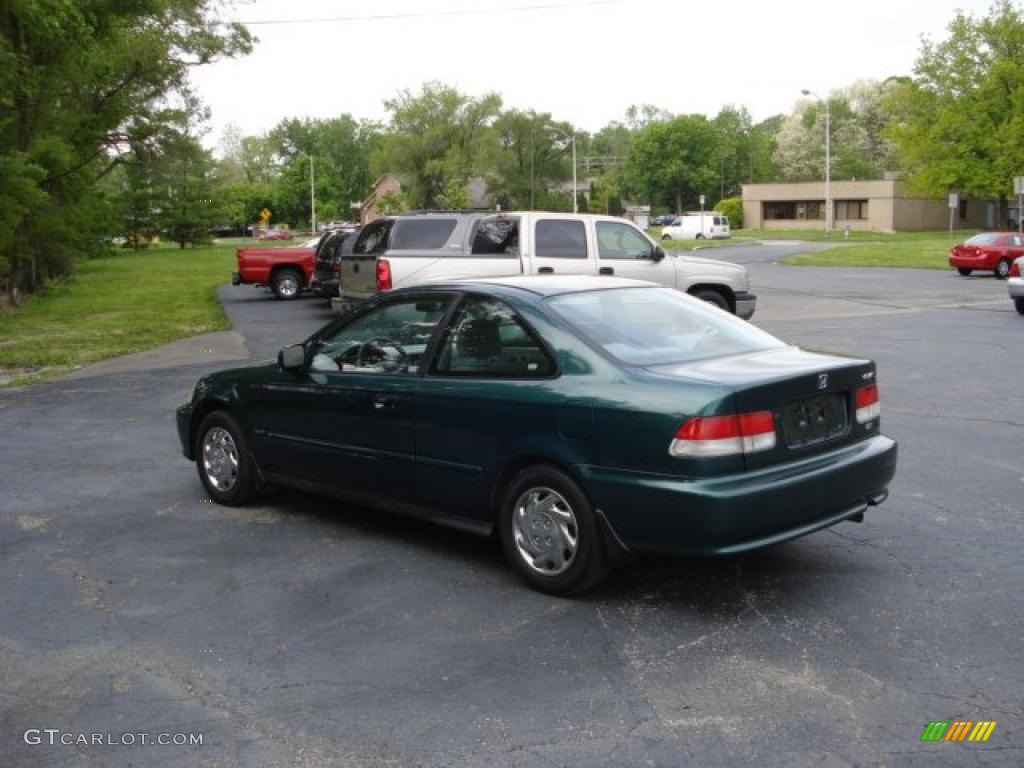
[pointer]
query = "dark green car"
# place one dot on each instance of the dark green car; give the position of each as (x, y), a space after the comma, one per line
(580, 419)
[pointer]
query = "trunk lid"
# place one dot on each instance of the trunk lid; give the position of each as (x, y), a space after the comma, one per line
(810, 395)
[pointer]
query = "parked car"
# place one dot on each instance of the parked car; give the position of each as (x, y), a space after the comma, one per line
(399, 251)
(327, 261)
(580, 419)
(993, 251)
(277, 234)
(697, 226)
(1015, 284)
(286, 270)
(664, 220)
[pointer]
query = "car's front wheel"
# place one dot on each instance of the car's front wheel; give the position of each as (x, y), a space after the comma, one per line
(286, 284)
(226, 467)
(964, 271)
(1019, 304)
(1002, 269)
(666, 237)
(549, 532)
(712, 297)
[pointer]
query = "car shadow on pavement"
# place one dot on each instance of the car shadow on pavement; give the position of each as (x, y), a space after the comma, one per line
(720, 586)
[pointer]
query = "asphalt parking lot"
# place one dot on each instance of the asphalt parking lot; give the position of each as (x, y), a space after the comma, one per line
(303, 633)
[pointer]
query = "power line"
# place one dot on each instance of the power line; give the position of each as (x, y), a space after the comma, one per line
(434, 14)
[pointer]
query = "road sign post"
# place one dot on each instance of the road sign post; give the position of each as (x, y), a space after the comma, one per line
(954, 203)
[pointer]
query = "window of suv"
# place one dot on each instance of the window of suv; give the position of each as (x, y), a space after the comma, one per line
(621, 241)
(373, 238)
(561, 239)
(496, 237)
(421, 234)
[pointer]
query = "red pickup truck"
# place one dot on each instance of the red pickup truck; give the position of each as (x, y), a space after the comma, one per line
(286, 270)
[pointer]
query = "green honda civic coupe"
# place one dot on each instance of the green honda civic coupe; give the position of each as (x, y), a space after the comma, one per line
(581, 420)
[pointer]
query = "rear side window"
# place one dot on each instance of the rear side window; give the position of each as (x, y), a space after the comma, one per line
(421, 234)
(373, 237)
(561, 239)
(496, 237)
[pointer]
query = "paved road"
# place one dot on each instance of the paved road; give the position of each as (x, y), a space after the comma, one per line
(300, 633)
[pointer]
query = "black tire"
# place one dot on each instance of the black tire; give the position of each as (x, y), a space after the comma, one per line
(1002, 270)
(712, 297)
(964, 271)
(699, 237)
(213, 451)
(1019, 304)
(286, 284)
(666, 237)
(582, 561)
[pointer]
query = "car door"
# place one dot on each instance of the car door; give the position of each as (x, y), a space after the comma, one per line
(560, 245)
(623, 251)
(481, 394)
(346, 420)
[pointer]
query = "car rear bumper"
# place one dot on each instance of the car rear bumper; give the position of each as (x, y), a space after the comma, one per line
(183, 416)
(1016, 287)
(741, 512)
(746, 303)
(975, 261)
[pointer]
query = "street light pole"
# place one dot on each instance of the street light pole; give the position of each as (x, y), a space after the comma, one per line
(575, 201)
(828, 158)
(312, 196)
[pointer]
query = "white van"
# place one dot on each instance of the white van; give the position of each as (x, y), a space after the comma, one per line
(698, 226)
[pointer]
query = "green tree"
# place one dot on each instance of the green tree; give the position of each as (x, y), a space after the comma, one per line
(671, 163)
(437, 136)
(79, 81)
(535, 153)
(959, 122)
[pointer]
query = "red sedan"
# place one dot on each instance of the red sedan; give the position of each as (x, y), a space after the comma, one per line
(990, 250)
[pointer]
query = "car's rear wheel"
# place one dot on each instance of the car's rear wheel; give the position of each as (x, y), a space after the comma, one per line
(666, 237)
(699, 237)
(226, 467)
(1019, 304)
(286, 284)
(964, 271)
(712, 297)
(549, 532)
(1002, 270)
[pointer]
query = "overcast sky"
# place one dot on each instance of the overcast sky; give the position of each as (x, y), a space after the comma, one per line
(584, 61)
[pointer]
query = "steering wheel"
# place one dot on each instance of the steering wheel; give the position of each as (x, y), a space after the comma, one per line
(377, 352)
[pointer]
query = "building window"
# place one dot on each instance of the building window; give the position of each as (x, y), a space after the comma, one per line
(847, 210)
(963, 209)
(801, 209)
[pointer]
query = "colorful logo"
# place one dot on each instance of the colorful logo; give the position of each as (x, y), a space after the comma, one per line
(958, 730)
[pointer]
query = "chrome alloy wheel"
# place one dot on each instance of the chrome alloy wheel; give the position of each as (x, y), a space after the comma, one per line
(220, 459)
(288, 286)
(545, 531)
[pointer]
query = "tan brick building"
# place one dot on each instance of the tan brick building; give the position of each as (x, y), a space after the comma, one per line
(880, 206)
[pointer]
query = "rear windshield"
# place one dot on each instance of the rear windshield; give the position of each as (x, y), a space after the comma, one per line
(658, 326)
(421, 234)
(983, 239)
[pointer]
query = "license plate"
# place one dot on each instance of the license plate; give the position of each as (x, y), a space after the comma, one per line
(813, 420)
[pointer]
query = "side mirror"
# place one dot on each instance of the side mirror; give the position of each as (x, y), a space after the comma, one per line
(292, 357)
(658, 254)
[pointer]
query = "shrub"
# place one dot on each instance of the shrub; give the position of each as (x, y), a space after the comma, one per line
(733, 208)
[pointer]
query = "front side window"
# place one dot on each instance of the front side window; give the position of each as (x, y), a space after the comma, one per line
(658, 326)
(560, 239)
(389, 339)
(487, 339)
(621, 241)
(421, 234)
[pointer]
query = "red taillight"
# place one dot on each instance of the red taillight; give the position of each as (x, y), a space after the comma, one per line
(866, 403)
(383, 275)
(708, 436)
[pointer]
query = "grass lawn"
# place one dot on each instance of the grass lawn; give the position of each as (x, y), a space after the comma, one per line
(838, 236)
(122, 303)
(909, 253)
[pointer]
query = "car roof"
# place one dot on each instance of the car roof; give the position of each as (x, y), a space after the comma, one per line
(541, 285)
